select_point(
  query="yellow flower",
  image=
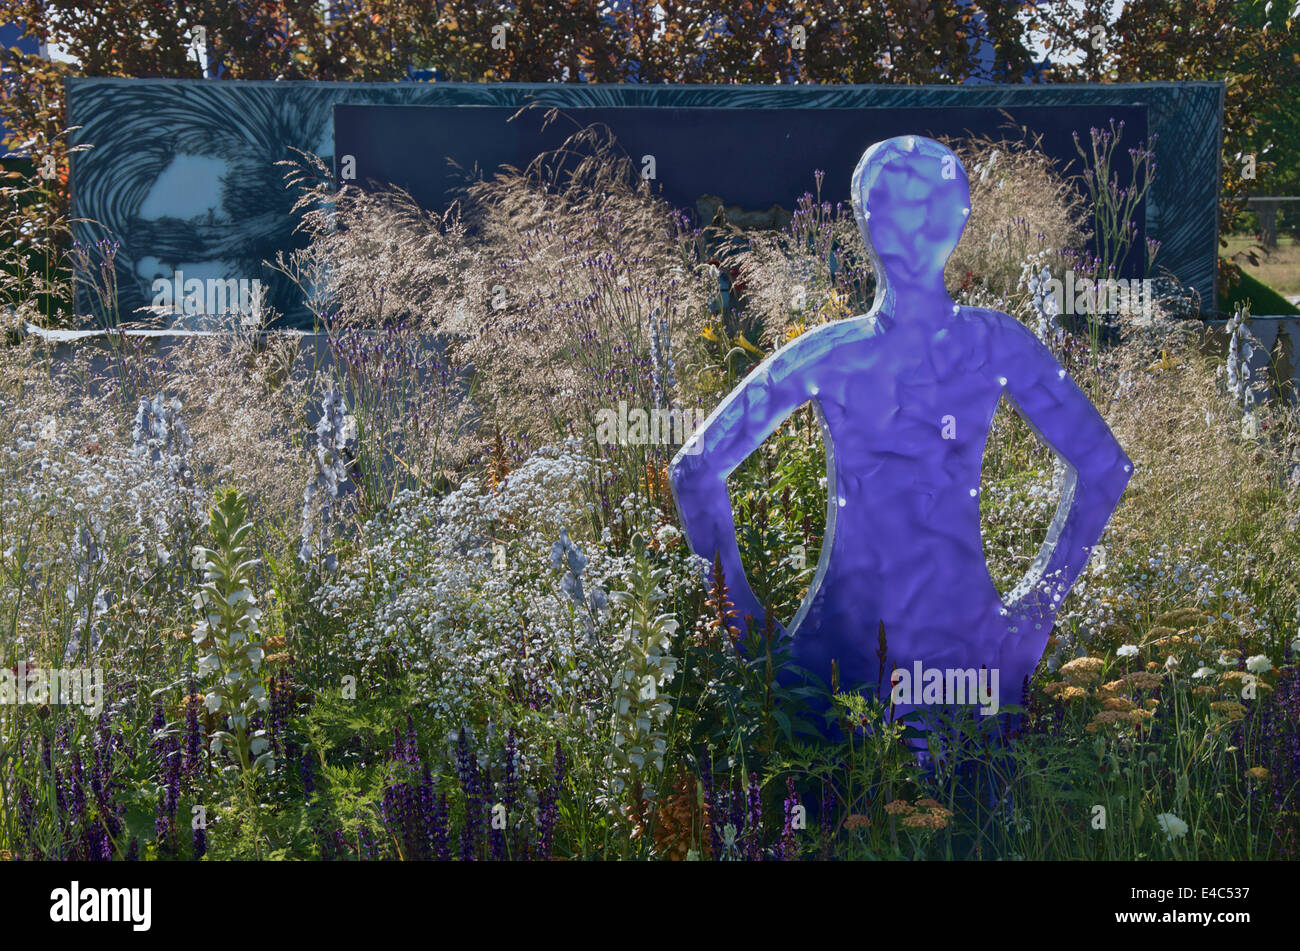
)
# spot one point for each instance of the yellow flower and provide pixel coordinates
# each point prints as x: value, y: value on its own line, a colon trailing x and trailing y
x: 857, y: 821
x: 1142, y: 679
x: 1166, y: 362
x: 1070, y: 694
x: 1122, y: 704
x: 1202, y: 691
x: 1152, y: 703
x: 1229, y: 708
x: 836, y: 307
x: 929, y: 821
x: 791, y: 332
x: 898, y: 807
x: 1083, y: 670
x: 1258, y: 773
x: 1108, y: 690
x: 934, y: 808
x: 1108, y: 718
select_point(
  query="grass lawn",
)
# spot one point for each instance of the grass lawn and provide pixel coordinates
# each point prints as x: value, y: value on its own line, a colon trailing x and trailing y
x: 1279, y: 269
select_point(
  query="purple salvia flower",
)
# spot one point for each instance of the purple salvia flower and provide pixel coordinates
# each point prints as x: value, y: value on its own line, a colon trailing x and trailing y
x: 753, y: 820
x: 789, y: 841
x: 307, y: 776
x: 440, y: 831
x: 193, y: 743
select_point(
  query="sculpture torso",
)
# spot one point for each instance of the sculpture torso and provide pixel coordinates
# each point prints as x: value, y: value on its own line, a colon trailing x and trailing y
x: 907, y: 411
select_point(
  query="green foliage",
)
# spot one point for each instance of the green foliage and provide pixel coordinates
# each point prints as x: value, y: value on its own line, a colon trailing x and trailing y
x: 230, y: 632
x: 647, y: 667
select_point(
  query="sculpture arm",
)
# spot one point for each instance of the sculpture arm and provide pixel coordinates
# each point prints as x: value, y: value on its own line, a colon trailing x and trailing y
x: 1097, y: 470
x: 740, y: 424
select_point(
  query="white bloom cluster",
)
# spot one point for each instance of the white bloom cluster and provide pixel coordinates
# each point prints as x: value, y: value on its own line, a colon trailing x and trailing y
x: 1015, y: 514
x: 79, y: 500
x: 1177, y: 573
x: 462, y: 592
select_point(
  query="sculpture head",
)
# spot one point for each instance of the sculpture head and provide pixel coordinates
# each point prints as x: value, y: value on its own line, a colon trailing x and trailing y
x: 911, y: 197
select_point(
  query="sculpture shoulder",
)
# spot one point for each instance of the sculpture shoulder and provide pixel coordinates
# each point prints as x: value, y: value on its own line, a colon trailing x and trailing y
x: 997, y: 329
x: 808, y: 346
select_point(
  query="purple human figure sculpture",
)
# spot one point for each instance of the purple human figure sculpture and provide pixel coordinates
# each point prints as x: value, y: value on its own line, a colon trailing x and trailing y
x: 906, y: 396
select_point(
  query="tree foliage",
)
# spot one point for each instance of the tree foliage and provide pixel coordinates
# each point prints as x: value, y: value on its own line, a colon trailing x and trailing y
x: 1251, y: 45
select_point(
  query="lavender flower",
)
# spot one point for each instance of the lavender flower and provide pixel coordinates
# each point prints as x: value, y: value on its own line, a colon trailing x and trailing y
x: 664, y: 371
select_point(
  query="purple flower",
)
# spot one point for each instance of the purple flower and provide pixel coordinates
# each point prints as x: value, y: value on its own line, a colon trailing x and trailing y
x: 753, y: 820
x: 193, y: 732
x: 789, y: 847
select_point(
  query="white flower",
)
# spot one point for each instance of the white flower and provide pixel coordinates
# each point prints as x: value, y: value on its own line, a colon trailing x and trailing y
x: 1203, y: 672
x: 1171, y: 662
x: 213, y: 702
x: 1173, y: 827
x: 667, y: 534
x: 1128, y: 650
x: 729, y: 835
x: 1258, y: 664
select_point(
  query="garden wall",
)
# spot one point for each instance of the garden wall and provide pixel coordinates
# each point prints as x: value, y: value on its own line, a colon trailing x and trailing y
x: 184, y: 173
x: 1274, y: 358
